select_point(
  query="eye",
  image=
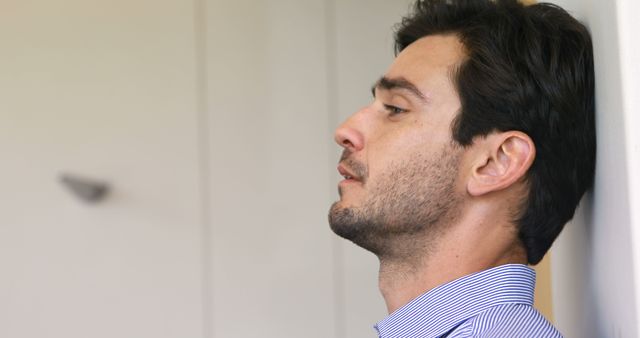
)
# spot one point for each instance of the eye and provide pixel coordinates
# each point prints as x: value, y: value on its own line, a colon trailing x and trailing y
x: 393, y: 110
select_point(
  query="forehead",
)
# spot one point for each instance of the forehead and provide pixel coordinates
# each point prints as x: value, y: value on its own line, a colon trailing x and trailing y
x: 428, y: 61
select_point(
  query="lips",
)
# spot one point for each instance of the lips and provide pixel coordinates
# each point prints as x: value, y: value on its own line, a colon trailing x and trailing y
x: 346, y: 173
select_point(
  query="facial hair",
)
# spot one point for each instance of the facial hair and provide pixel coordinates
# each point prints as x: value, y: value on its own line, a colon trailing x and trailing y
x: 406, y: 207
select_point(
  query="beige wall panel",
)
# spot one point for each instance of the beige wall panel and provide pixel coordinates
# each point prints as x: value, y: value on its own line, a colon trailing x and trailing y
x: 103, y: 89
x: 542, y: 300
x: 272, y: 272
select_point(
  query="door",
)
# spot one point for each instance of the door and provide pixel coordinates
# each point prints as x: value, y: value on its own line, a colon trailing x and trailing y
x: 101, y: 90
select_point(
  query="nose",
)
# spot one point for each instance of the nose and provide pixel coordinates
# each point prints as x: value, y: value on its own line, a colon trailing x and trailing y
x: 349, y: 136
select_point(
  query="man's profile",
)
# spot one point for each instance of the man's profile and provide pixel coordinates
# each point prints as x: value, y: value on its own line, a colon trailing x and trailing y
x: 474, y: 153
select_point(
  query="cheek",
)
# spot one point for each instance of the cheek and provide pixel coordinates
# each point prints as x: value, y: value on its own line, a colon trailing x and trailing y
x: 386, y: 159
x: 407, y: 139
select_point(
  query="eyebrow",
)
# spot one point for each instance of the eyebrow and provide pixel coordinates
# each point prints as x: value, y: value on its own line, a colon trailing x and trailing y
x: 398, y: 83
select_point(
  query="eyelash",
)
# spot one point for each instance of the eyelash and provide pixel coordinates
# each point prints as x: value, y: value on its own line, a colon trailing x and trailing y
x: 393, y: 110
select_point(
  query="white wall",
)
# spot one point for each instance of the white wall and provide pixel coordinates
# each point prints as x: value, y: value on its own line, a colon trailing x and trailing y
x: 595, y: 260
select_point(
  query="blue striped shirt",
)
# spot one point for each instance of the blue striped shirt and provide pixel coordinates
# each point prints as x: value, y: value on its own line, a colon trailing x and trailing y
x: 493, y: 303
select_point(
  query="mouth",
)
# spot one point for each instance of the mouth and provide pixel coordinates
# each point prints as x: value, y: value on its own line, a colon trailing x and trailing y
x: 347, y: 174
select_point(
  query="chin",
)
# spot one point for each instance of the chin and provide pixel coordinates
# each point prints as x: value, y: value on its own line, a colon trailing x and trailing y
x: 348, y: 224
x: 339, y: 215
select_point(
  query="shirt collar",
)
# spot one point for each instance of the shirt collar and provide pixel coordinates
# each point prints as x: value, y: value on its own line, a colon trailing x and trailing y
x: 441, y: 309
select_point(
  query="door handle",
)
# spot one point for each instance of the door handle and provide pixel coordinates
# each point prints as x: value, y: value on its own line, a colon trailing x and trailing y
x: 88, y: 190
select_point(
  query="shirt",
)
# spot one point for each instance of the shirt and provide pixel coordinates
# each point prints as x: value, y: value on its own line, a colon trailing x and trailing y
x: 493, y: 303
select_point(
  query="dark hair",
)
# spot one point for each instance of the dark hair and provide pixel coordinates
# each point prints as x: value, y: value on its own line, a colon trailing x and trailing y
x: 527, y: 68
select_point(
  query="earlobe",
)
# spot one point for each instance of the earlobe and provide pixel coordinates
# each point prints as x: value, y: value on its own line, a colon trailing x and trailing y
x: 503, y: 160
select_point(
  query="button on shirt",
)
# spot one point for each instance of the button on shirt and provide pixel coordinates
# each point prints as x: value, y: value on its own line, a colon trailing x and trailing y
x: 493, y: 303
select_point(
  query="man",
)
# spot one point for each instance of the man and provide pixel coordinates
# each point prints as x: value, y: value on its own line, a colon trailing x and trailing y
x: 474, y: 153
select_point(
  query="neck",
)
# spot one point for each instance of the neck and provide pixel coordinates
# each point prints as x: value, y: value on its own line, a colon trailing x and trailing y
x: 456, y: 254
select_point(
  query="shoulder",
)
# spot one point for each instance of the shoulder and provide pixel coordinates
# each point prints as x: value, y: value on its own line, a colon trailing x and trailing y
x: 512, y: 320
x: 515, y: 320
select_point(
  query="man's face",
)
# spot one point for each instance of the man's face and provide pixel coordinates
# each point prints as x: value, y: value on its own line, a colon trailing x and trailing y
x: 399, y: 161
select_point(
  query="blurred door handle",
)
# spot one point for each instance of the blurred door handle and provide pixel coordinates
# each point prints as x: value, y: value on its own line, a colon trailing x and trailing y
x: 85, y: 189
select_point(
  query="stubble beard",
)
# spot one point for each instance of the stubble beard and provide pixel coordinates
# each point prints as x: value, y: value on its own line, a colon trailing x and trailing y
x: 405, y: 211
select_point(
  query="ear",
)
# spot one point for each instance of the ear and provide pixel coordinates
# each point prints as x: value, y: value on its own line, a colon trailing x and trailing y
x: 503, y: 158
